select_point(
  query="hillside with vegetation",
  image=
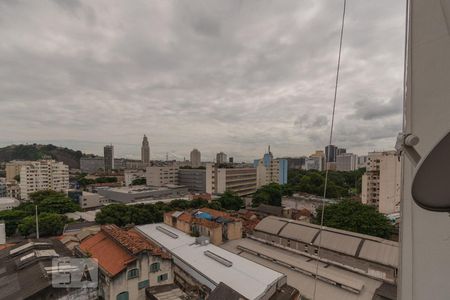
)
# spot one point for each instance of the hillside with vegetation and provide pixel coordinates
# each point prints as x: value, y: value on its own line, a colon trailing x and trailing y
x: 35, y: 151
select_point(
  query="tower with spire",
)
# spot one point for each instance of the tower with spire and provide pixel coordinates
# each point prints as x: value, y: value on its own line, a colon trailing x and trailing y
x: 145, y: 151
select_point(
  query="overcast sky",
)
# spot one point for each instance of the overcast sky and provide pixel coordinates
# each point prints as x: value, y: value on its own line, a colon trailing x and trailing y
x: 230, y: 76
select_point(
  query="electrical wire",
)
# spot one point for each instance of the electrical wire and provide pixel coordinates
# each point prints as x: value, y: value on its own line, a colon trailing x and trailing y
x: 327, y: 154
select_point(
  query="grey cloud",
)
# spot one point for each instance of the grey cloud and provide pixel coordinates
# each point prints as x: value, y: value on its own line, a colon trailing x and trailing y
x: 228, y: 76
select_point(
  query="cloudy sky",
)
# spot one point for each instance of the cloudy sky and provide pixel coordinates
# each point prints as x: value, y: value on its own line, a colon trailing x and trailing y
x: 230, y: 76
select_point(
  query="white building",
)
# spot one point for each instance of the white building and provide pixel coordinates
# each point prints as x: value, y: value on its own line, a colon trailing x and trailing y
x: 221, y: 158
x: 270, y: 170
x: 7, y: 203
x: 381, y: 182
x: 362, y: 161
x: 242, y: 181
x: 92, y: 200
x: 196, y: 160
x: 211, y: 265
x: 162, y: 176
x: 314, y: 163
x: 346, y: 162
x: 43, y: 175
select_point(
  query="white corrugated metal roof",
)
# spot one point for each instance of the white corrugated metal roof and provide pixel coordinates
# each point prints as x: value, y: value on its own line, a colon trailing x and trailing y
x: 384, y: 253
x: 339, y: 242
x: 298, y: 232
x: 270, y: 225
x: 244, y: 276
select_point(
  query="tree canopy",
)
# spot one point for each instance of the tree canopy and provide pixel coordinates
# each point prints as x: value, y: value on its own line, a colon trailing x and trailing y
x: 121, y: 214
x: 340, y: 184
x: 270, y: 194
x: 230, y: 201
x: 357, y: 217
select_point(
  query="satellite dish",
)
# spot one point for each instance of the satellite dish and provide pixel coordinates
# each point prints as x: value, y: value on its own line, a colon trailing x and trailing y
x: 431, y: 183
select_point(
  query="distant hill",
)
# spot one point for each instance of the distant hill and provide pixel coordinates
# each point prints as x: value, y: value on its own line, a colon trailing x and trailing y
x: 35, y: 151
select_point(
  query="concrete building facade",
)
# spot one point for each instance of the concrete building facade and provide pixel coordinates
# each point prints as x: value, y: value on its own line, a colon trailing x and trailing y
x: 221, y: 158
x: 381, y: 182
x: 92, y: 200
x: 12, y: 169
x: 193, y: 179
x: 108, y: 155
x: 145, y: 151
x: 241, y: 181
x: 196, y: 158
x: 270, y: 170
x: 162, y: 175
x: 346, y: 162
x: 7, y: 203
x: 43, y: 175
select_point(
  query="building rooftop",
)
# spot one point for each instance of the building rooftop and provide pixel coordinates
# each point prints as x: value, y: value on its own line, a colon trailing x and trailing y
x: 350, y: 243
x: 114, y: 248
x: 22, y: 273
x: 214, y: 263
x: 334, y: 283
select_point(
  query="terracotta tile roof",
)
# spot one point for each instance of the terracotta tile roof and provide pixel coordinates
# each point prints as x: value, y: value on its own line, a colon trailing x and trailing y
x: 111, y: 257
x: 185, y: 217
x: 131, y: 240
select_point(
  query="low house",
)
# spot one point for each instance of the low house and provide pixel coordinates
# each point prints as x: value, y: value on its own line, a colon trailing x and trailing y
x: 217, y: 225
x: 128, y: 263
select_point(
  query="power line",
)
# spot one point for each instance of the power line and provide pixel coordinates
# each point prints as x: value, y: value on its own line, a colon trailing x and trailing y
x: 330, y: 143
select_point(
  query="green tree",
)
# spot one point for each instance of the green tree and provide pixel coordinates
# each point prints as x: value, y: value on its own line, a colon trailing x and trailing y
x: 215, y: 205
x: 270, y: 194
x: 37, y: 197
x: 114, y: 214
x: 58, y: 204
x: 357, y: 217
x: 230, y: 201
x: 12, y: 219
x: 50, y: 224
x: 139, y: 181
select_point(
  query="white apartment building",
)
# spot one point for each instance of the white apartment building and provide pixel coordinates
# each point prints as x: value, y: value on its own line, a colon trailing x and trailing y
x: 381, y: 182
x: 195, y: 158
x: 270, y: 170
x: 242, y: 181
x: 161, y: 176
x: 362, y: 161
x: 346, y: 162
x: 43, y: 175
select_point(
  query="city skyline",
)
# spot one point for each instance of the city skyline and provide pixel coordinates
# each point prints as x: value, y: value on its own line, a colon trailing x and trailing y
x: 216, y: 76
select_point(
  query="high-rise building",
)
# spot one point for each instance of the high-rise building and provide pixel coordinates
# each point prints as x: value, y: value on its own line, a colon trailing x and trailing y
x: 241, y: 181
x: 381, y: 182
x: 340, y: 151
x: 346, y: 162
x: 330, y: 153
x: 145, y: 151
x: 108, y: 151
x: 221, y: 158
x: 362, y: 161
x: 195, y: 158
x: 270, y: 170
x: 162, y: 176
x: 43, y: 175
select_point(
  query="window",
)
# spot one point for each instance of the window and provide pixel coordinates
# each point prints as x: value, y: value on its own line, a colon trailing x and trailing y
x: 143, y: 284
x: 122, y: 296
x: 133, y: 273
x: 163, y: 277
x: 154, y: 267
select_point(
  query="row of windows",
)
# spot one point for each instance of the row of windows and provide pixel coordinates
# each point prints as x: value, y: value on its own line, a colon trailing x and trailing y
x: 154, y: 267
